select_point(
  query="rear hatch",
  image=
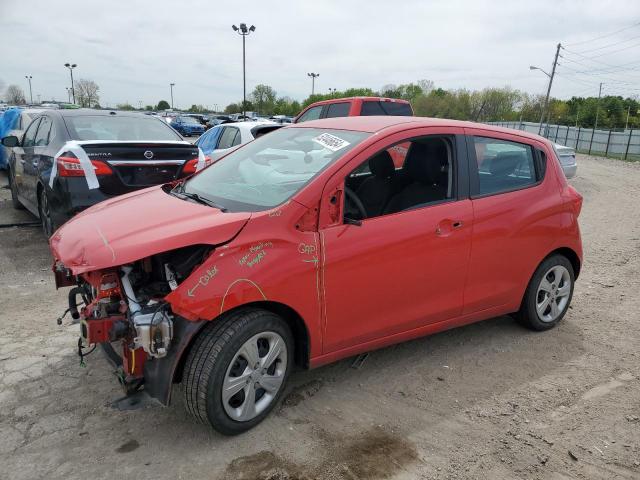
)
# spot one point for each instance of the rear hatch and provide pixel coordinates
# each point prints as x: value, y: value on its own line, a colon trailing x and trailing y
x: 136, y: 165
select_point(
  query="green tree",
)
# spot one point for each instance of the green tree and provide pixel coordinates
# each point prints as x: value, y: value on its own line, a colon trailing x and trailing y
x: 263, y: 98
x: 163, y: 105
x: 125, y: 106
x: 15, y: 95
x: 197, y: 109
x: 86, y: 92
x: 148, y: 108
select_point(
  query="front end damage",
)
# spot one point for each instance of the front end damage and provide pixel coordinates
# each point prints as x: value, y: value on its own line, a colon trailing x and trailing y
x: 123, y: 310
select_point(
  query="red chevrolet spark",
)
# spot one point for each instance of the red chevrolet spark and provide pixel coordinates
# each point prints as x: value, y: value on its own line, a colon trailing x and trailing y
x: 309, y: 245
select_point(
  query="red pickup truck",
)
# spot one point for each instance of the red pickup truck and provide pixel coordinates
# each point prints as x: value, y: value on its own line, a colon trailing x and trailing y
x: 355, y: 107
x: 361, y: 106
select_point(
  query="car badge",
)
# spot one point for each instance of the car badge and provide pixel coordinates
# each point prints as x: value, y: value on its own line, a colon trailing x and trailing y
x: 148, y: 154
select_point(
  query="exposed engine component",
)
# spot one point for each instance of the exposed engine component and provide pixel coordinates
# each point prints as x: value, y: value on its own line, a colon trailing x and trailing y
x: 154, y: 330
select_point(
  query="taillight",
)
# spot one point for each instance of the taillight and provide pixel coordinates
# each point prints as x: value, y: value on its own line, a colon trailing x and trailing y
x: 576, y: 199
x: 191, y: 165
x: 71, y: 167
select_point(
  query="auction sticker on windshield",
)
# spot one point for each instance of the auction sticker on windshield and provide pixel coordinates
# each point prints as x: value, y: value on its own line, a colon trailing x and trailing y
x: 330, y: 142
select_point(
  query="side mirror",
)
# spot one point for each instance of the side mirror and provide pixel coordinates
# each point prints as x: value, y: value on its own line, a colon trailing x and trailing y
x: 11, y: 141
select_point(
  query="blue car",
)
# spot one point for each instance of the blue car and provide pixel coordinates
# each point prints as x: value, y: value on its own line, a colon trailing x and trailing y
x: 187, y: 126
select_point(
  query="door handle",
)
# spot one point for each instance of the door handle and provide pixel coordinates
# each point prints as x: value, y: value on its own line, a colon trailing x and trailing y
x: 445, y: 227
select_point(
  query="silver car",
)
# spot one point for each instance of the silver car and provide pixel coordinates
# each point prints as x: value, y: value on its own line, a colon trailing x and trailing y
x: 567, y: 157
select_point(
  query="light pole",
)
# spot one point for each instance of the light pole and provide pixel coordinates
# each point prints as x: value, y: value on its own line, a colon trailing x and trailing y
x: 313, y: 81
x: 332, y: 91
x: 29, y: 77
x: 551, y: 75
x: 68, y: 93
x: 171, y: 85
x: 244, y: 31
x: 71, y: 66
x: 544, y: 107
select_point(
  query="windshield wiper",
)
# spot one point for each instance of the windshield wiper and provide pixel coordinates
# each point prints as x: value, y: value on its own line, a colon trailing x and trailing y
x: 197, y: 198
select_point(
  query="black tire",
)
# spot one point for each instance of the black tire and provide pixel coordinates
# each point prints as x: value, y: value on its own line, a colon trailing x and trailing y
x: 14, y: 191
x: 210, y: 357
x: 44, y: 210
x: 528, y: 315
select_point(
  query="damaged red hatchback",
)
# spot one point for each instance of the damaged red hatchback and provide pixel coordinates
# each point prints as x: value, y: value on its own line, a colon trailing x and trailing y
x: 311, y: 244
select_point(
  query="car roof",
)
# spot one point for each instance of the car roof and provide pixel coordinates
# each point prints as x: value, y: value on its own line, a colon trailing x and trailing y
x: 348, y: 99
x: 248, y: 125
x: 373, y: 124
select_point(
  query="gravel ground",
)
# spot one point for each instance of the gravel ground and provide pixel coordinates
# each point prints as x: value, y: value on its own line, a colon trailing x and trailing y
x: 490, y: 400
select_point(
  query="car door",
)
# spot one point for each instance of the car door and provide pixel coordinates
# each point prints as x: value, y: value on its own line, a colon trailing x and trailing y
x: 401, y: 270
x: 32, y: 164
x: 23, y: 156
x: 229, y: 138
x: 514, y: 206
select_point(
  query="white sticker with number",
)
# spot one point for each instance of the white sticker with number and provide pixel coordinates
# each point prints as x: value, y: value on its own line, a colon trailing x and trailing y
x: 330, y: 142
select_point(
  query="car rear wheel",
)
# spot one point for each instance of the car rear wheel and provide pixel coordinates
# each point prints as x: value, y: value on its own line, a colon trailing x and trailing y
x: 236, y: 370
x: 548, y: 295
x: 44, y: 210
x: 14, y: 192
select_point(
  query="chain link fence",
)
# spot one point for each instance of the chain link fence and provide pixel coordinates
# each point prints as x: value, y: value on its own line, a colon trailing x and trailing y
x: 622, y: 144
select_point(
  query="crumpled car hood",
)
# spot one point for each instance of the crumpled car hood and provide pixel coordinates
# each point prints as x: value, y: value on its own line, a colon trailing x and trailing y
x: 138, y: 225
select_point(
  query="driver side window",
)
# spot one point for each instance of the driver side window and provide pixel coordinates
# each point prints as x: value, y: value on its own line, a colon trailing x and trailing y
x: 383, y: 185
x: 29, y: 139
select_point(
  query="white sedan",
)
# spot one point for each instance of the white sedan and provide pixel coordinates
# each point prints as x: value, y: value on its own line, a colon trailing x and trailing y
x: 222, y: 139
x: 567, y: 157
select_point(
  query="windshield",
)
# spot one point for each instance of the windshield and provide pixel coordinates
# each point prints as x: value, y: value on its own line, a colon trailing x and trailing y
x: 130, y: 128
x: 269, y: 170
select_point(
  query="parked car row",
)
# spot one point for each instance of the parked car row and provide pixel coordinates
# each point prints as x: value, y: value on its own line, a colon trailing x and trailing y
x: 124, y: 152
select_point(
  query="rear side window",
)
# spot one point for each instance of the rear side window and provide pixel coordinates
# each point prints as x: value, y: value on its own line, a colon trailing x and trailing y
x: 207, y: 142
x: 338, y: 110
x: 228, y: 138
x: 503, y: 165
x: 372, y: 107
x: 311, y: 114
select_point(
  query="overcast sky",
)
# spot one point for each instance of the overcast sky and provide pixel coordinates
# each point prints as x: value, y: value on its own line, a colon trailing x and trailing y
x: 133, y: 49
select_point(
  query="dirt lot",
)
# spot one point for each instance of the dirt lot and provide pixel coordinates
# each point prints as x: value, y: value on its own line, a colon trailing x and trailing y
x: 490, y: 400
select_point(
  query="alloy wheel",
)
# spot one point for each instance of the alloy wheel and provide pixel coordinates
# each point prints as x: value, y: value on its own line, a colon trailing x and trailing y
x: 254, y: 376
x: 553, y: 293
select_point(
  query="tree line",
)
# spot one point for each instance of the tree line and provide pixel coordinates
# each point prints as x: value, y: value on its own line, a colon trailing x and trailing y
x: 489, y: 104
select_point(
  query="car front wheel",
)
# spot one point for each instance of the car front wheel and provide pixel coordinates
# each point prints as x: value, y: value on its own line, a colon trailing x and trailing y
x: 236, y: 371
x: 14, y: 192
x: 548, y: 295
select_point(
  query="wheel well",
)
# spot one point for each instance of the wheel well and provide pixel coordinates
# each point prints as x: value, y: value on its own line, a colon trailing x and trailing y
x: 297, y: 325
x: 288, y: 314
x: 571, y: 256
